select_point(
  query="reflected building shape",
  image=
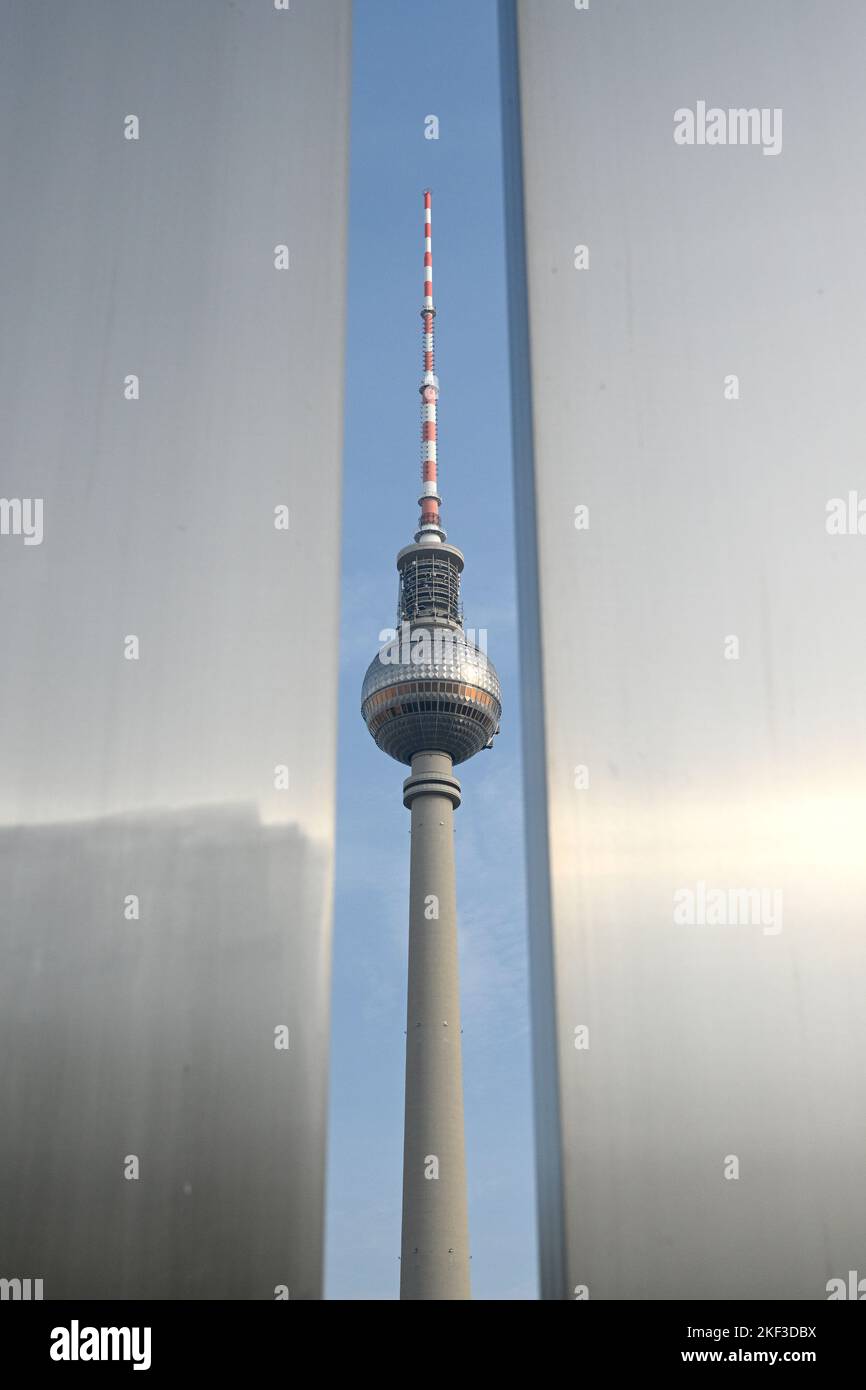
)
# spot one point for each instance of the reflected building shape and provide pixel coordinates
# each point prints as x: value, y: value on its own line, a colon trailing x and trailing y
x: 431, y: 699
x: 167, y: 804
x: 687, y: 404
x: 149, y: 1040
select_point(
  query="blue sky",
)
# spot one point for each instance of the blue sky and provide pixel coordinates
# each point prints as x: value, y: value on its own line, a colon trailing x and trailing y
x: 411, y: 61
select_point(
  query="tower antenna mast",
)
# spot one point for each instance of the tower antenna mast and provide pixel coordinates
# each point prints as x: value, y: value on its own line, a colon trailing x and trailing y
x: 429, y: 525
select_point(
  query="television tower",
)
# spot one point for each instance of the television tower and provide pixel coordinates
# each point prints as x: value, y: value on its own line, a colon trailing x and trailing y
x: 431, y: 699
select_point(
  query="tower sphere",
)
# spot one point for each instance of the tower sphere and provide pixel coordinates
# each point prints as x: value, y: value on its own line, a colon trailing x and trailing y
x: 431, y: 690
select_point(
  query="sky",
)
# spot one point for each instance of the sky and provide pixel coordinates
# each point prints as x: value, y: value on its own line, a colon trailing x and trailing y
x: 408, y: 65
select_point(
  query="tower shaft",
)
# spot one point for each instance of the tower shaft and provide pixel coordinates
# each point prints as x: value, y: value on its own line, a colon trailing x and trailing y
x: 435, y: 1241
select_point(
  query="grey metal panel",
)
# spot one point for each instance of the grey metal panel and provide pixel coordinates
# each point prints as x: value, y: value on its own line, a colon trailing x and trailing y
x: 545, y: 1059
x: 707, y: 521
x: 156, y: 777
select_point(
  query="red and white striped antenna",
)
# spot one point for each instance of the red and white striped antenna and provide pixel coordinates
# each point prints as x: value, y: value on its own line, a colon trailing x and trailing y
x: 429, y: 526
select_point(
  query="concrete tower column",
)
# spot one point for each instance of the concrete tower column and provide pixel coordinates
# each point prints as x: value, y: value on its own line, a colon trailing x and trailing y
x: 435, y: 1243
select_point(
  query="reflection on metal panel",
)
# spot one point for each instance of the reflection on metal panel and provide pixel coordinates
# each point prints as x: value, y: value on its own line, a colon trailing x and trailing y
x: 166, y: 804
x: 701, y: 714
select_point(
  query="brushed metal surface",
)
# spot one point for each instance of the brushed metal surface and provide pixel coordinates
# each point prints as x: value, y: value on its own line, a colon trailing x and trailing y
x: 160, y: 777
x: 665, y: 762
